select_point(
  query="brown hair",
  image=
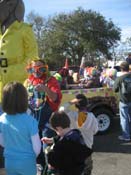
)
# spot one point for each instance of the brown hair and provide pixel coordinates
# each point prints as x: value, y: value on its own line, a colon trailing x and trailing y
x: 129, y: 54
x: 15, y: 98
x: 124, y: 66
x: 82, y: 104
x: 59, y: 119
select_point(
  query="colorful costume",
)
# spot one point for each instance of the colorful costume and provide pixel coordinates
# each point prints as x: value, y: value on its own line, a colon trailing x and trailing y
x: 109, y: 80
x: 38, y: 100
x: 40, y: 103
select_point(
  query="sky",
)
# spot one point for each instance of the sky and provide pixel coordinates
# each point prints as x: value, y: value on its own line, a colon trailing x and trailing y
x: 119, y: 11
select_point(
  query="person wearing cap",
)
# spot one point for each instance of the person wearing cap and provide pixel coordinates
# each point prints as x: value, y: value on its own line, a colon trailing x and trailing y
x: 18, y: 42
x: 122, y: 85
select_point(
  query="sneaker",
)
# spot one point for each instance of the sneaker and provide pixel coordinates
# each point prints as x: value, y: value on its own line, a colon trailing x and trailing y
x: 123, y: 139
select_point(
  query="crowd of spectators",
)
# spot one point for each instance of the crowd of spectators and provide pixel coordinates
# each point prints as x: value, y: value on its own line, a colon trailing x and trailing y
x: 91, y: 76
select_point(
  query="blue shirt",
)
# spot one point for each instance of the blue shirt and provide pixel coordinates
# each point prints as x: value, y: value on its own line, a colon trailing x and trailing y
x: 17, y: 131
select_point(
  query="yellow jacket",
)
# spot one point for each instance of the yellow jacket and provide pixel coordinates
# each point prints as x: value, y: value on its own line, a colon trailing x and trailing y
x: 18, y: 45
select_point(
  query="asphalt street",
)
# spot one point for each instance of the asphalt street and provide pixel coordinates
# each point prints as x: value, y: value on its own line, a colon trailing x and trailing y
x: 111, y: 156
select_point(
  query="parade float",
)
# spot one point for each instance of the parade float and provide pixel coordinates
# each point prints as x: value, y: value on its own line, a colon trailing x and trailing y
x: 103, y: 101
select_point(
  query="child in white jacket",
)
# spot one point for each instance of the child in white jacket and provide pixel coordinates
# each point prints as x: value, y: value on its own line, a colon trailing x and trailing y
x: 83, y: 120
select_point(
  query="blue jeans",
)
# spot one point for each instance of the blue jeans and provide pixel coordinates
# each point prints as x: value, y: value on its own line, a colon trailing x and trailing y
x: 125, y: 119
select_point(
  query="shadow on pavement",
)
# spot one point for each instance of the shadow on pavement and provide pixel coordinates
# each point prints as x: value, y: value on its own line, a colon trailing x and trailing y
x: 109, y: 142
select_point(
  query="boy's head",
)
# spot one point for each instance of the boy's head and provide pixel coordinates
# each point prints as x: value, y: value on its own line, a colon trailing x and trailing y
x: 59, y: 120
x: 124, y: 66
x: 129, y: 55
x: 82, y: 104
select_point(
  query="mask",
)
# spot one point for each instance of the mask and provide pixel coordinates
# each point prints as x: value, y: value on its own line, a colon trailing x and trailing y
x: 37, y: 71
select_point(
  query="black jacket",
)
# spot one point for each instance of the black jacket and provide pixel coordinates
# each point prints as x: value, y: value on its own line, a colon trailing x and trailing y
x: 69, y: 154
x: 124, y: 98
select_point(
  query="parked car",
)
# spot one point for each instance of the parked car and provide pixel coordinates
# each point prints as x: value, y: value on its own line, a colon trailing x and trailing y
x: 103, y: 102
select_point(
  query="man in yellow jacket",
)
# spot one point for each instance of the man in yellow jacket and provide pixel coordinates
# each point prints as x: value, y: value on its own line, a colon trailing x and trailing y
x: 17, y: 42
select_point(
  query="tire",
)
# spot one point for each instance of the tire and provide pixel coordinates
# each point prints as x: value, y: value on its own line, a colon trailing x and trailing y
x: 104, y: 118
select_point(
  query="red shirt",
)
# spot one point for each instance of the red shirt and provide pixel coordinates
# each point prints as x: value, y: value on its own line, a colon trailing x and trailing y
x: 53, y: 85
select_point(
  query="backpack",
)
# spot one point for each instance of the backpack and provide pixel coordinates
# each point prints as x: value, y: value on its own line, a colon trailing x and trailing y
x: 126, y: 85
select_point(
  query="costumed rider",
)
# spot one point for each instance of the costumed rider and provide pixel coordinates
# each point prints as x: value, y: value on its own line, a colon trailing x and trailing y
x: 44, y: 97
x: 17, y: 42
